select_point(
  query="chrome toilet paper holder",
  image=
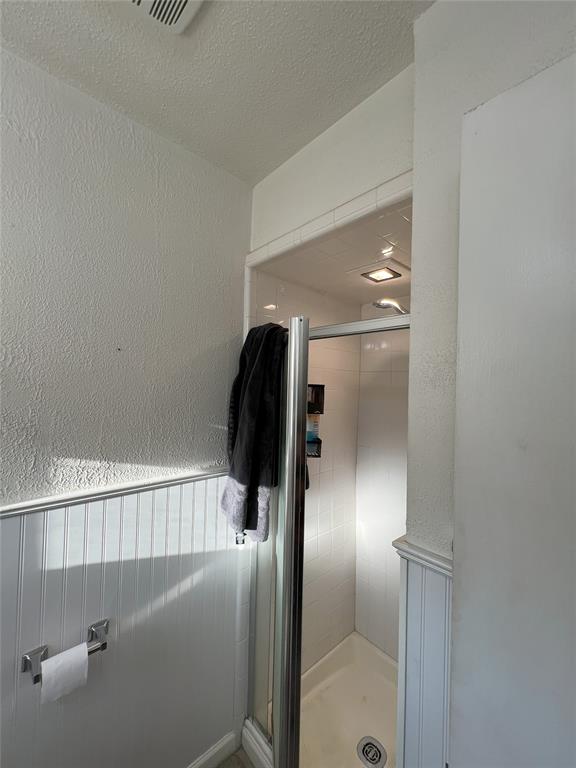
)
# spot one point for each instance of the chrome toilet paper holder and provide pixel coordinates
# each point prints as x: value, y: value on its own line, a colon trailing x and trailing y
x: 98, y: 636
x: 97, y: 641
x: 32, y: 660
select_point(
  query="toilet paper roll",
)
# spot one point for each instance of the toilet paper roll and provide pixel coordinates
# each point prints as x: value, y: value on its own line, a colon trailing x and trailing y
x: 63, y: 673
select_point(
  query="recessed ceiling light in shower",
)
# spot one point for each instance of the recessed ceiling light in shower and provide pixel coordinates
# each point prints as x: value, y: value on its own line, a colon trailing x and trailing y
x: 380, y: 275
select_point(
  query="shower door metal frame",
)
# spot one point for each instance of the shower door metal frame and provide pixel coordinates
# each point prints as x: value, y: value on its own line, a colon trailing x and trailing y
x: 290, y: 555
x: 290, y: 541
x: 360, y: 327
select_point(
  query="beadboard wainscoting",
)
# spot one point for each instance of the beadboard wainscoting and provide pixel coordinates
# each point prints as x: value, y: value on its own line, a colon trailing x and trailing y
x: 171, y: 688
x: 423, y: 658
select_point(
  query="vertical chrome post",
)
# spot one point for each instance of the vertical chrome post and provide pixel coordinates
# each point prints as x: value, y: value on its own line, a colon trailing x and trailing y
x: 290, y: 554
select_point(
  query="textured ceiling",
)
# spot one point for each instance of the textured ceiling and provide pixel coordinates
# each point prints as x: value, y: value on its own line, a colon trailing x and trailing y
x: 334, y: 263
x: 246, y: 86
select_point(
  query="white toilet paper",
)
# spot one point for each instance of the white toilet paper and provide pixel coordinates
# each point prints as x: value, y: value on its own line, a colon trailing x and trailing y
x: 63, y: 673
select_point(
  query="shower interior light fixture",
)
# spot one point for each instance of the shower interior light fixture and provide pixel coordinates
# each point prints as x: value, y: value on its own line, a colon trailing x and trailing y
x: 382, y: 274
x: 271, y: 306
x: 390, y: 304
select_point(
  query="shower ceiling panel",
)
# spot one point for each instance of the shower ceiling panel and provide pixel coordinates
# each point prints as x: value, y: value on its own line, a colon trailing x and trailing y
x: 334, y: 264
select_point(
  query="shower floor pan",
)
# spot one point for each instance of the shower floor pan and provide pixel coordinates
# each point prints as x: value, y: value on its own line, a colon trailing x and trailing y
x: 346, y: 696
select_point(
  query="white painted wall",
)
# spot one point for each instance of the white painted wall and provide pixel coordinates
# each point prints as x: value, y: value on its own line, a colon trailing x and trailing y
x: 163, y: 566
x: 121, y: 294
x: 514, y: 673
x: 368, y: 146
x: 381, y: 480
x: 466, y: 53
x: 330, y: 536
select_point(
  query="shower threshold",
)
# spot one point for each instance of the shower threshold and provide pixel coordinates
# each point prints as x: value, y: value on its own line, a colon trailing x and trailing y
x: 348, y: 695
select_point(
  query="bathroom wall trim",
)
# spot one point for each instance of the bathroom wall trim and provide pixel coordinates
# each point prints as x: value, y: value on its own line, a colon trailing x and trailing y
x: 107, y: 492
x: 423, y: 556
x: 256, y: 745
x: 218, y: 752
x: 425, y: 618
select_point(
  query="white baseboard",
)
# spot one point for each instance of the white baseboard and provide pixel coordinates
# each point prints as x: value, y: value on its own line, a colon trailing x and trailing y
x: 218, y: 753
x: 256, y: 746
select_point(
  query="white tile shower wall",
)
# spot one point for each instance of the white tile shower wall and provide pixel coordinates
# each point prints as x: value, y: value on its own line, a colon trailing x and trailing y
x: 381, y: 482
x: 330, y: 546
x: 163, y: 566
x: 274, y: 301
x: 330, y: 527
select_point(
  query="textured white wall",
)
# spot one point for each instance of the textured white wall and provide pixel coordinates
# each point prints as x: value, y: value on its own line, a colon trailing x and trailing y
x: 330, y: 537
x: 368, y: 146
x: 381, y: 480
x: 466, y: 53
x: 121, y: 294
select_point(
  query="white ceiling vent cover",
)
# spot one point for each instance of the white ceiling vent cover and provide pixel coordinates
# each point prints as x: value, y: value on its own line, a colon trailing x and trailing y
x: 173, y: 14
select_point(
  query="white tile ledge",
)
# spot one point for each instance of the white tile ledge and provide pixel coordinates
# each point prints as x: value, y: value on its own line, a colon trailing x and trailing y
x: 423, y: 556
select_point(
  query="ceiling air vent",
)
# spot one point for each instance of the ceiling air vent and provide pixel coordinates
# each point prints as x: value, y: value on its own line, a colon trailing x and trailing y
x: 173, y: 14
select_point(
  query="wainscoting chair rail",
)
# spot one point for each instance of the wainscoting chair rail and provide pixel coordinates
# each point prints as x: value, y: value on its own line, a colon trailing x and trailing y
x: 423, y: 556
x: 107, y: 492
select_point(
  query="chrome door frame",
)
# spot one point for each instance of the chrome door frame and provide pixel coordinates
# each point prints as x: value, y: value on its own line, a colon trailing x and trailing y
x: 359, y: 327
x: 290, y: 555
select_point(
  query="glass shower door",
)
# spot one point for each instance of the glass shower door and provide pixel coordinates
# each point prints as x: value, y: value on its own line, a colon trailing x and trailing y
x: 276, y: 594
x: 277, y: 612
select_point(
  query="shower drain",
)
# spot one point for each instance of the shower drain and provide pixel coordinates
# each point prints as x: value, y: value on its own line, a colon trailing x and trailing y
x: 371, y: 752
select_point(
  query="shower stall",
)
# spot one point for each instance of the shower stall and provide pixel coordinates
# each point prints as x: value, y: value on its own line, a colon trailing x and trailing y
x: 323, y: 689
x: 325, y: 586
x: 323, y: 696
